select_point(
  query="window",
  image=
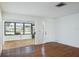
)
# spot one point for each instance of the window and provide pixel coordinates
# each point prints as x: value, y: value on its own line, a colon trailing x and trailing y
x: 17, y: 28
x: 27, y: 28
x: 9, y: 28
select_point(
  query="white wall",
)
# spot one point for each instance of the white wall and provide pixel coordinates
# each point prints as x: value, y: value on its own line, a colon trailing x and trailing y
x: 1, y: 33
x: 67, y: 30
x: 46, y: 30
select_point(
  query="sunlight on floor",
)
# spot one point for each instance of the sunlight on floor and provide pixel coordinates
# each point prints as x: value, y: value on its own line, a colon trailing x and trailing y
x: 18, y: 43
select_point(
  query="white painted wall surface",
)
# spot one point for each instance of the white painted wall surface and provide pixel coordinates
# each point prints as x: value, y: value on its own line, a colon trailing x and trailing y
x: 1, y: 33
x: 67, y: 30
x: 46, y: 30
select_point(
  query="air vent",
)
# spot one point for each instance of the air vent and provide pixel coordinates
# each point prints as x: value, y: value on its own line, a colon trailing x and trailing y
x: 61, y: 4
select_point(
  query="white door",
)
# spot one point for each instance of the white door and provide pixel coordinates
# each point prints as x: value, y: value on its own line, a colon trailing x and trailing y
x: 49, y: 30
x: 39, y: 32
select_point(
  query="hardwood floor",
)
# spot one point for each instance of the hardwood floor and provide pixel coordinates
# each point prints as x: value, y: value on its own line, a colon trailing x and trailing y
x: 52, y: 49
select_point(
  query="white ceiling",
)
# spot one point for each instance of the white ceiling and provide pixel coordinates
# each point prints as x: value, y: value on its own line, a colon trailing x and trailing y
x: 46, y: 9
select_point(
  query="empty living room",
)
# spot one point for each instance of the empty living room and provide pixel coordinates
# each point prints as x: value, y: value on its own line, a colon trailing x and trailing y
x: 39, y: 29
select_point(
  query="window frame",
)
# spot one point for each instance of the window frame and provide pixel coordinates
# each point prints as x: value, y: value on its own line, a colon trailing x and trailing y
x: 5, y: 28
x: 15, y: 28
x: 24, y: 28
